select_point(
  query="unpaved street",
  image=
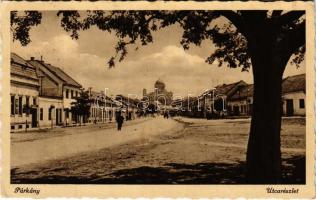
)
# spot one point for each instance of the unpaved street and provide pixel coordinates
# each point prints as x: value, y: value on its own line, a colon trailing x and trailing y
x: 188, y: 151
x: 69, y: 144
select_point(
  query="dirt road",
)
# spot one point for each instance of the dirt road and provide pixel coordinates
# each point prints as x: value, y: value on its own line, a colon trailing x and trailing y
x: 202, y: 152
x: 52, y: 148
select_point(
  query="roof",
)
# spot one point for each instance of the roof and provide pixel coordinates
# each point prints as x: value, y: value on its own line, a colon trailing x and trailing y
x: 21, y: 67
x: 94, y: 94
x: 19, y: 60
x: 224, y: 89
x: 102, y: 96
x: 40, y: 72
x: 63, y: 75
x: 227, y: 88
x: 294, y: 83
x: 243, y: 92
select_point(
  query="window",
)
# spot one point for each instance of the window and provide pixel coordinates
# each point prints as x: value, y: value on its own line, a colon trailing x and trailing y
x: 12, y: 104
x: 20, y: 105
x: 28, y: 101
x: 49, y: 114
x: 67, y: 94
x: 16, y: 107
x: 302, y: 103
x: 72, y: 94
x: 20, y: 126
x: 34, y: 101
x: 41, y: 113
x: 67, y: 114
x: 12, y: 127
x: 76, y: 93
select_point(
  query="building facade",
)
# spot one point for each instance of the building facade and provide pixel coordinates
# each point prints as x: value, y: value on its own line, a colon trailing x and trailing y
x: 57, y: 92
x: 293, y: 98
x: 241, y: 102
x: 294, y: 95
x: 129, y: 107
x: 24, y: 92
x: 236, y: 99
x: 218, y: 101
x: 102, y: 108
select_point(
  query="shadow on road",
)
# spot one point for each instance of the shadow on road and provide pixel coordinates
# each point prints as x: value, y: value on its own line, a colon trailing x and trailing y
x: 174, y: 173
x: 171, y: 173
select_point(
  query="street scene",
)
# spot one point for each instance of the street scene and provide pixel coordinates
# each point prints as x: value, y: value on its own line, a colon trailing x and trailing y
x: 184, y: 151
x: 96, y: 100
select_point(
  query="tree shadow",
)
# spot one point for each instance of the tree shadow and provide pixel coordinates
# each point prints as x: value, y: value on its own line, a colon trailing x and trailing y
x: 294, y: 170
x: 175, y: 173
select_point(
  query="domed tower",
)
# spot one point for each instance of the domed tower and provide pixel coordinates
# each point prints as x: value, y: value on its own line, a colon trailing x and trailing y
x: 160, y: 86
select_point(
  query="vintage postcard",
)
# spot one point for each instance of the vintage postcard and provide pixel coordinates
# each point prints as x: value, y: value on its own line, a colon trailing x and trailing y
x: 158, y: 99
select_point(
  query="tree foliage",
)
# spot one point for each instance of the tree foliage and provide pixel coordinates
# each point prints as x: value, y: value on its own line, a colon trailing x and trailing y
x: 81, y: 107
x: 22, y: 23
x: 230, y: 38
x: 136, y: 27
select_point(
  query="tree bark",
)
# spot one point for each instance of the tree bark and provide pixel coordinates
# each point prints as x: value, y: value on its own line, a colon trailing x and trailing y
x: 264, y: 151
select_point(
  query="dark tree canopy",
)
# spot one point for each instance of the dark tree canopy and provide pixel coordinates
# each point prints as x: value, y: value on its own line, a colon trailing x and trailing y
x: 22, y: 23
x: 136, y: 27
x: 81, y: 107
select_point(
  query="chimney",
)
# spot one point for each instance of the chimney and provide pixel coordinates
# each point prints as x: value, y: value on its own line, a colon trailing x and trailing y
x: 144, y: 92
x: 90, y: 89
x: 32, y: 58
x: 41, y: 58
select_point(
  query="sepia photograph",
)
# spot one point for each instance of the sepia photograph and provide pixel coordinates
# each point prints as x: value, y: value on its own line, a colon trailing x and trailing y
x: 158, y: 97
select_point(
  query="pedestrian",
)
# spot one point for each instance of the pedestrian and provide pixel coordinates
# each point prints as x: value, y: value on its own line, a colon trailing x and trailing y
x: 119, y: 121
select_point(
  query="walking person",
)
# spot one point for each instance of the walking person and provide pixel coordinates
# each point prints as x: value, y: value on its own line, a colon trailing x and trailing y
x: 119, y: 121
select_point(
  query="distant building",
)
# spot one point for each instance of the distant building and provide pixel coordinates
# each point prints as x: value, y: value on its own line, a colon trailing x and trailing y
x: 24, y: 91
x: 160, y: 94
x: 102, y: 108
x: 218, y: 100
x: 236, y: 99
x: 241, y: 102
x: 294, y: 95
x: 128, y: 106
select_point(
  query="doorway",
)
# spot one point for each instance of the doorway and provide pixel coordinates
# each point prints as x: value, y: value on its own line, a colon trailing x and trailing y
x: 57, y: 117
x: 34, y: 117
x: 289, y: 107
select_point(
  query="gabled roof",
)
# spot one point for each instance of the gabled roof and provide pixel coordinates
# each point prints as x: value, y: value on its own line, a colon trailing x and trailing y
x: 59, y: 73
x: 127, y: 101
x: 294, y: 83
x: 227, y: 89
x: 243, y: 92
x: 101, y: 96
x: 42, y: 70
x: 19, y: 60
x: 63, y: 75
x: 21, y: 67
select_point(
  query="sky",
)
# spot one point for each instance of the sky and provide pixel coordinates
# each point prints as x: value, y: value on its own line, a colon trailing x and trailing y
x: 184, y: 72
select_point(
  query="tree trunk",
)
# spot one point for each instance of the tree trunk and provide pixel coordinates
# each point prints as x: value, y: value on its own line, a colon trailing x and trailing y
x: 264, y: 151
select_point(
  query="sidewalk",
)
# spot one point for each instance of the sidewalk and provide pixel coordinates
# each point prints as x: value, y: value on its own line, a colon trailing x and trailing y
x: 36, y: 151
x: 62, y: 131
